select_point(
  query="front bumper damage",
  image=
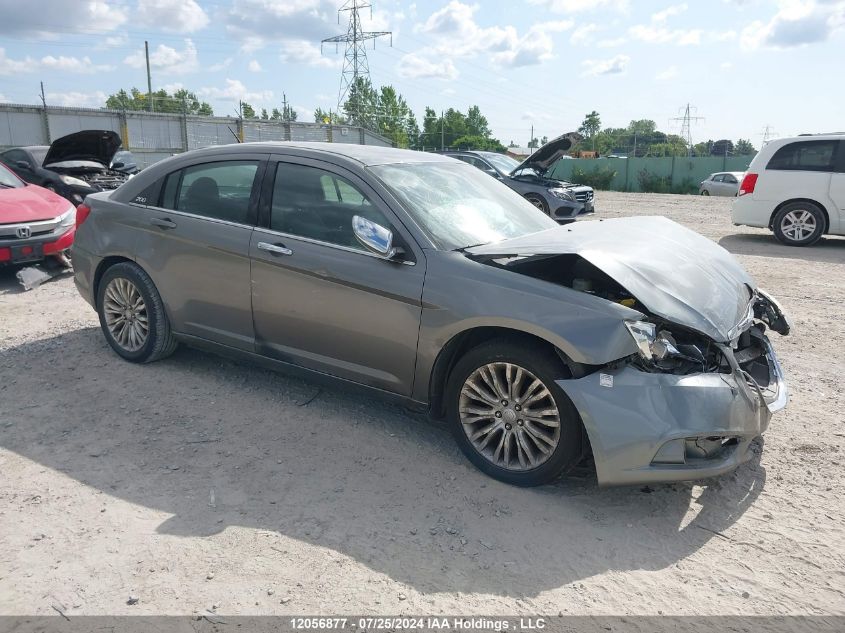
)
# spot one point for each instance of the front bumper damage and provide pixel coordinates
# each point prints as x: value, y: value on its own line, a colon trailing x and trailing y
x: 659, y: 427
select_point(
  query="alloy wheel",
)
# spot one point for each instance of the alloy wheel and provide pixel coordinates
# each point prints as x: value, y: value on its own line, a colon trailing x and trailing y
x: 126, y: 314
x: 509, y: 416
x: 798, y: 225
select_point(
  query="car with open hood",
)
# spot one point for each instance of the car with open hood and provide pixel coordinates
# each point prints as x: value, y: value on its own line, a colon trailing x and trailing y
x: 35, y: 223
x: 72, y: 166
x: 417, y: 277
x: 561, y: 200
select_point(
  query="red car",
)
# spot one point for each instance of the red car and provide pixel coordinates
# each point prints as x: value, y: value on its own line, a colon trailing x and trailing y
x: 34, y: 223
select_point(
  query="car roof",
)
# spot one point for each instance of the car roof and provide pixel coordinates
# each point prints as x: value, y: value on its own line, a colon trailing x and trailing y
x: 364, y: 154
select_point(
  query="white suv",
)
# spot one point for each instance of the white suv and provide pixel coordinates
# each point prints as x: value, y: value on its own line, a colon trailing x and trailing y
x: 796, y: 188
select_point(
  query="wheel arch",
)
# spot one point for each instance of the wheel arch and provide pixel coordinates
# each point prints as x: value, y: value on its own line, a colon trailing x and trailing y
x: 102, y: 267
x: 471, y: 337
x: 793, y: 200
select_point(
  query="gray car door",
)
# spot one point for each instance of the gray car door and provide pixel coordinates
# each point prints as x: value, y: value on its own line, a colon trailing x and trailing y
x: 320, y: 300
x: 195, y: 245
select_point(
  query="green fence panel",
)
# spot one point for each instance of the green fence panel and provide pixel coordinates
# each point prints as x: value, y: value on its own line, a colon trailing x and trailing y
x: 672, y: 173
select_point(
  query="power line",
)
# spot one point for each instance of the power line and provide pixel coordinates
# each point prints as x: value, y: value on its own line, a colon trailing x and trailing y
x: 355, y: 63
x: 687, y: 121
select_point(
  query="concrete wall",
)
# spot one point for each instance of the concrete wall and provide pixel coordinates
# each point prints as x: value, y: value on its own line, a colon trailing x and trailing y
x: 678, y: 169
x: 152, y: 137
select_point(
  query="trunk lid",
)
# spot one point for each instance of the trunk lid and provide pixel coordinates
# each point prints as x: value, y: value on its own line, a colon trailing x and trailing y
x: 676, y: 273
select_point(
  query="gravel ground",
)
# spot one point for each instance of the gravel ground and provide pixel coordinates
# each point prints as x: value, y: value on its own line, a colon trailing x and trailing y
x: 199, y: 484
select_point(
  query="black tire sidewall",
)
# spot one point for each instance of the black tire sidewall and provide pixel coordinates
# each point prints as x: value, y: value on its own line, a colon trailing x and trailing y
x: 547, y: 367
x: 130, y: 272
x: 531, y: 197
x: 807, y: 206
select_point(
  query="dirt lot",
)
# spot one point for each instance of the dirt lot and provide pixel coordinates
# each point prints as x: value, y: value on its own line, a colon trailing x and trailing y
x: 197, y: 483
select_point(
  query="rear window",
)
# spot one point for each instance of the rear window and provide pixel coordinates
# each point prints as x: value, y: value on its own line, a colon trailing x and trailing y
x: 805, y: 156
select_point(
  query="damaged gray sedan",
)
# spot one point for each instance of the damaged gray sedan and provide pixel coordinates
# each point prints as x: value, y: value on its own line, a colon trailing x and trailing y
x: 420, y: 278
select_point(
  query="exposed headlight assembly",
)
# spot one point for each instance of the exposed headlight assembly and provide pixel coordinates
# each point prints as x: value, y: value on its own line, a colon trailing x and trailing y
x: 652, y: 345
x: 74, y: 182
x: 563, y: 194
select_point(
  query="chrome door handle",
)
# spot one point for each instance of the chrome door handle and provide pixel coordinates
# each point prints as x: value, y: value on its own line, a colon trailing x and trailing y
x: 274, y: 249
x: 163, y: 223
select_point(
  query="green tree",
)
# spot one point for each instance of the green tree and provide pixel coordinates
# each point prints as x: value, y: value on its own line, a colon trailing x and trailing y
x: 590, y: 127
x: 276, y: 115
x: 288, y: 113
x: 264, y: 114
x: 744, y: 147
x: 722, y: 147
x: 361, y: 106
x: 533, y: 143
x: 247, y: 111
x: 182, y: 101
x: 476, y: 123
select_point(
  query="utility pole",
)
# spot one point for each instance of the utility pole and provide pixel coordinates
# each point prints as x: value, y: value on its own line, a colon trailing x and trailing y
x: 768, y: 134
x: 442, y: 132
x: 355, y: 63
x: 531, y: 138
x: 285, y: 116
x: 149, y: 78
x: 43, y: 98
x: 687, y: 121
x: 45, y: 120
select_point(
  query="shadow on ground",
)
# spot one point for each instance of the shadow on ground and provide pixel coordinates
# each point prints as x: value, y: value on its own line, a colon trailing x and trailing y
x: 334, y: 469
x: 827, y: 250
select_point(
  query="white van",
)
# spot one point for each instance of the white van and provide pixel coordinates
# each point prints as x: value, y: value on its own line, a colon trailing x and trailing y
x: 796, y: 188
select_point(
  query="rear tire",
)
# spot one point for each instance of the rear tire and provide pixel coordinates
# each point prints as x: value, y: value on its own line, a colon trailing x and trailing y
x: 132, y: 315
x: 799, y: 224
x: 528, y: 445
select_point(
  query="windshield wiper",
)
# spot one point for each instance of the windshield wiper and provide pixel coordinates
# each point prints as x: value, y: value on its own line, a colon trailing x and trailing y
x: 464, y: 248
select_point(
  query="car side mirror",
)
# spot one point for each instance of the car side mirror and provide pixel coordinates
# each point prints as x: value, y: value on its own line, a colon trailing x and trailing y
x: 117, y: 165
x: 492, y: 172
x: 22, y: 164
x: 374, y: 237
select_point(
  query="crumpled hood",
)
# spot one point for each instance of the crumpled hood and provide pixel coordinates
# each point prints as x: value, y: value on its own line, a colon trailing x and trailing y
x: 96, y: 145
x: 674, y: 272
x: 30, y: 204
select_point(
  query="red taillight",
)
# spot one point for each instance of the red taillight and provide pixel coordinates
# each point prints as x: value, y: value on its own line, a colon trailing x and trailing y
x: 748, y: 184
x: 82, y: 213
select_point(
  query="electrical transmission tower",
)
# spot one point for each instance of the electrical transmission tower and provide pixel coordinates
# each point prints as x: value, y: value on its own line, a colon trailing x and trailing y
x: 355, y: 60
x: 768, y: 134
x: 687, y: 121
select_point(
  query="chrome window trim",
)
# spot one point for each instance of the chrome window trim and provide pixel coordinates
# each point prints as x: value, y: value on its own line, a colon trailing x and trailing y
x: 347, y: 249
x: 186, y: 214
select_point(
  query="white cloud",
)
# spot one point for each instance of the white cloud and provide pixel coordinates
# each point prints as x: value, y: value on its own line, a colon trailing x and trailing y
x: 726, y: 65
x: 303, y: 52
x: 274, y: 20
x: 669, y: 73
x: 668, y: 12
x: 9, y: 66
x: 797, y: 23
x: 181, y: 16
x: 113, y: 41
x: 221, y: 65
x: 168, y: 60
x: 254, y: 66
x: 235, y: 90
x: 581, y: 34
x: 94, y: 99
x: 613, y: 66
x: 44, y: 18
x: 455, y: 33
x: 580, y: 6
x: 83, y: 66
x: 653, y: 34
x: 3, y: 98
x: 414, y: 66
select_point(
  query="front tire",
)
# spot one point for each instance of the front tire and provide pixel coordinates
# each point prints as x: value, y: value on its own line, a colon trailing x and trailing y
x: 538, y: 202
x: 509, y: 417
x: 704, y: 192
x: 132, y: 315
x: 799, y: 224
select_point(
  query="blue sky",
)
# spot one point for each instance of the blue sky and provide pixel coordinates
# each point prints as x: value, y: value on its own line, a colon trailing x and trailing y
x: 743, y: 64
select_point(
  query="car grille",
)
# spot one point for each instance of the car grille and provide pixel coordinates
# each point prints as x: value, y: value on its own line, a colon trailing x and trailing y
x: 43, y: 227
x: 584, y: 196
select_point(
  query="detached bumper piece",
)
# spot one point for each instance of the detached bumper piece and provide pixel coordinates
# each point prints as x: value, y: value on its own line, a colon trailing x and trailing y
x: 659, y: 427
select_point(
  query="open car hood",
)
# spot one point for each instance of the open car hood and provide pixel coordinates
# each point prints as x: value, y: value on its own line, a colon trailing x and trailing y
x: 677, y: 274
x: 96, y: 145
x: 547, y: 155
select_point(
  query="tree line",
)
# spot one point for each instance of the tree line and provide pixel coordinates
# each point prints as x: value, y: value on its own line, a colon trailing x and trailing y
x: 642, y: 138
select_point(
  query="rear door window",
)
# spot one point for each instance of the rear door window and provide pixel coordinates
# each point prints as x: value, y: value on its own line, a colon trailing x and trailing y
x: 805, y: 156
x: 220, y: 190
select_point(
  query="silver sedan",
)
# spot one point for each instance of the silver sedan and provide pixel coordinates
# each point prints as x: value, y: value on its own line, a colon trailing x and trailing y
x: 723, y: 183
x: 417, y: 277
